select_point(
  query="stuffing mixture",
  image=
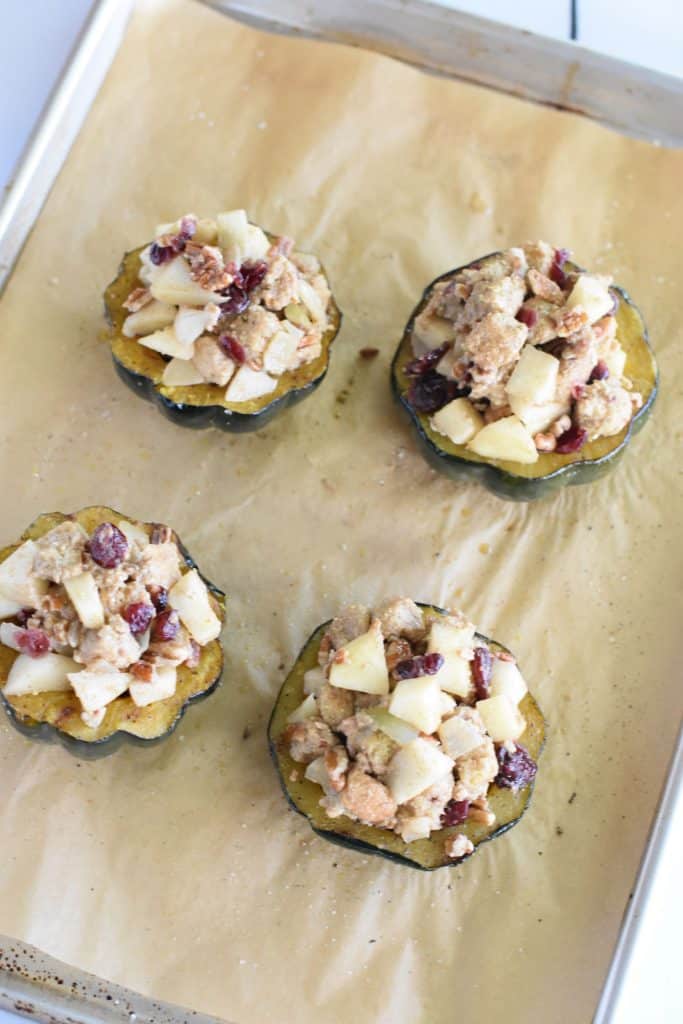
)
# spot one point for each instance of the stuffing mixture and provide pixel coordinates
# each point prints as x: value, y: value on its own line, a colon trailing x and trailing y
x: 518, y: 354
x: 408, y: 719
x: 228, y: 306
x: 102, y: 614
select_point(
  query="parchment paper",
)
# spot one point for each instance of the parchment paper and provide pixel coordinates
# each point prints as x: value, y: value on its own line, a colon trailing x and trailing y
x: 179, y: 870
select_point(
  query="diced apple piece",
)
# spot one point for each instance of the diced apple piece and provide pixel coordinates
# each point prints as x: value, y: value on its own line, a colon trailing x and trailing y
x: 248, y: 384
x: 317, y: 772
x: 181, y: 373
x: 615, y: 361
x: 314, y: 680
x: 312, y: 301
x: 50, y: 673
x: 233, y: 234
x: 459, y: 421
x: 160, y: 687
x: 447, y: 703
x: 85, y: 597
x: 97, y: 689
x: 8, y: 635
x: 190, y: 598
x: 396, y: 728
x: 296, y: 314
x: 8, y: 607
x: 431, y: 332
x: 150, y: 318
x: 534, y: 378
x: 362, y: 665
x: 593, y: 295
x: 455, y: 675
x: 190, y: 323
x: 503, y: 720
x: 173, y: 283
x: 256, y: 245
x: 507, y: 681
x: 415, y: 767
x: 133, y: 533
x: 537, y: 418
x: 279, y: 356
x: 458, y: 737
x: 506, y: 439
x: 447, y: 637
x: 17, y: 582
x: 306, y: 709
x: 418, y: 701
x: 166, y: 342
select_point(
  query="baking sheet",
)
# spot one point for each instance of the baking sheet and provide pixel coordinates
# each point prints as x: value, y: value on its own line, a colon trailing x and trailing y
x: 179, y: 871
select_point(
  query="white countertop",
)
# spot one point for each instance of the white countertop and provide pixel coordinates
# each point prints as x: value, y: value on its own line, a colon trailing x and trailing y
x: 35, y: 42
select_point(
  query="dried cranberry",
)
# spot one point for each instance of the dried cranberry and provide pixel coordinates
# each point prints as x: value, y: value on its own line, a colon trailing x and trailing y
x: 572, y: 440
x: 252, y: 274
x: 420, y: 665
x: 138, y: 616
x: 159, y: 254
x: 34, y: 642
x: 159, y: 596
x: 166, y: 625
x: 173, y: 244
x: 482, y: 664
x: 236, y: 300
x: 232, y: 348
x: 108, y: 545
x: 418, y: 367
x: 455, y: 812
x: 23, y: 616
x: 556, y: 272
x: 599, y: 372
x: 432, y: 391
x: 514, y: 770
x: 527, y: 316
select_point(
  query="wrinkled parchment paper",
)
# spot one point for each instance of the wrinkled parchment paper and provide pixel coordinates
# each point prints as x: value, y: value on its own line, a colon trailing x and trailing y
x: 179, y: 870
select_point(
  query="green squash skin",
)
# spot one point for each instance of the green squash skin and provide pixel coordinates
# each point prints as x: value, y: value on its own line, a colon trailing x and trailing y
x: 426, y: 854
x: 508, y: 485
x: 199, y: 417
x: 91, y: 750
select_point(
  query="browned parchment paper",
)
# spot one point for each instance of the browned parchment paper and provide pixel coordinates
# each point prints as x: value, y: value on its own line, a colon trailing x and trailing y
x: 179, y: 871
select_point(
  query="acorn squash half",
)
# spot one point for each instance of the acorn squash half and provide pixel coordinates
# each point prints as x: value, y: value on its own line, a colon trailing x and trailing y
x: 202, y: 405
x: 427, y: 854
x: 513, y: 480
x: 56, y: 717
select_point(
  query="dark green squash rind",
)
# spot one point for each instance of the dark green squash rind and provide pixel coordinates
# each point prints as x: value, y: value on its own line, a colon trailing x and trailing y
x: 496, y: 479
x: 47, y: 732
x: 199, y: 417
x: 409, y: 855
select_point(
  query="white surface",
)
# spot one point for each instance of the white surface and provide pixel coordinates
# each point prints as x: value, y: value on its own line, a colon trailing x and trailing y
x: 37, y: 37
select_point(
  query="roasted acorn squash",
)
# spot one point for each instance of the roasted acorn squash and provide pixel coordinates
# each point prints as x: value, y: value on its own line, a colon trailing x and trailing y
x: 552, y: 471
x: 202, y: 405
x: 56, y: 716
x: 427, y: 854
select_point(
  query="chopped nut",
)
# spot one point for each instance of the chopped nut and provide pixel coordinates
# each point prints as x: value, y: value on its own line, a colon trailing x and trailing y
x: 544, y: 287
x: 545, y: 442
x: 138, y: 298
